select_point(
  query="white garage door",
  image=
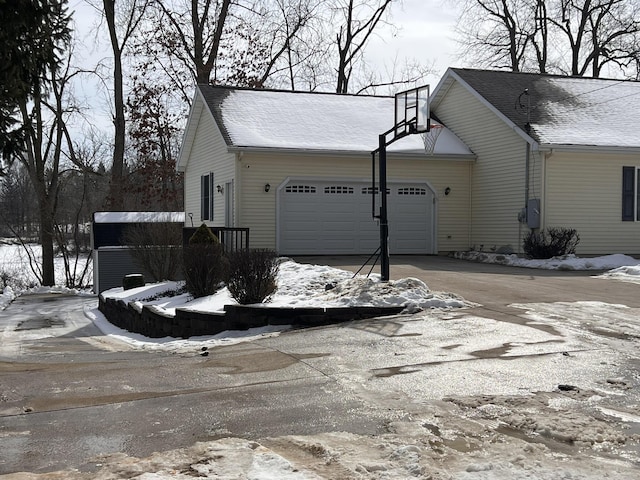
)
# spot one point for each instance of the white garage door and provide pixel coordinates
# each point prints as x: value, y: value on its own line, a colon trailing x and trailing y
x: 328, y: 217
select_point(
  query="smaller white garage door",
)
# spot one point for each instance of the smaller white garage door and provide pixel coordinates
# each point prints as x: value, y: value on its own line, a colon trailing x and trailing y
x: 334, y: 217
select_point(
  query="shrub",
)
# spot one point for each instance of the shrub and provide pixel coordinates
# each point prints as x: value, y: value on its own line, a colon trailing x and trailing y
x: 555, y: 242
x: 203, y: 235
x: 205, y: 265
x: 253, y: 275
x: 155, y: 247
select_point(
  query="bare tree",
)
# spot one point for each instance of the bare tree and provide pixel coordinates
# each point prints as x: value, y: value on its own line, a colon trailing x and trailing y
x: 357, y: 20
x: 541, y: 35
x: 284, y: 24
x: 42, y: 160
x: 122, y: 18
x: 192, y: 36
x: 503, y: 36
x: 303, y: 46
x: 600, y: 32
x: 244, y: 43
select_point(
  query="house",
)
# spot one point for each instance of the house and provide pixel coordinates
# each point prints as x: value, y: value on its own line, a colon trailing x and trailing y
x: 296, y: 169
x: 564, y: 149
x: 518, y: 152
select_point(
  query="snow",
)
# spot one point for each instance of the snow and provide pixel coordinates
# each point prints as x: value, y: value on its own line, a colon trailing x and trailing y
x: 318, y: 121
x: 138, y: 217
x: 299, y: 285
x: 589, y: 112
x: 496, y: 419
x: 568, y: 262
x: 16, y: 267
x: 6, y: 297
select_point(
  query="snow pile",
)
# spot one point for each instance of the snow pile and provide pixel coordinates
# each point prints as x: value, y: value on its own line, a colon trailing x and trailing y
x: 323, y: 286
x: 629, y: 273
x: 303, y: 285
x: 299, y: 285
x: 6, y: 297
x: 568, y: 262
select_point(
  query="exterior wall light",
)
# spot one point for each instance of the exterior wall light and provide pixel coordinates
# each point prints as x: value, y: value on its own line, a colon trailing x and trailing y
x: 267, y: 187
x: 447, y: 190
x: 220, y: 188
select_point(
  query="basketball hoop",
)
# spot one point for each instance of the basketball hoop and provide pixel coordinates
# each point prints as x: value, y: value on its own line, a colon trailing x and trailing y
x: 430, y: 137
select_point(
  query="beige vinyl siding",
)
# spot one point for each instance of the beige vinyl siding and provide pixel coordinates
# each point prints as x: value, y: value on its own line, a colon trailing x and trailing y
x: 498, y: 175
x: 257, y: 209
x: 584, y: 191
x: 208, y: 155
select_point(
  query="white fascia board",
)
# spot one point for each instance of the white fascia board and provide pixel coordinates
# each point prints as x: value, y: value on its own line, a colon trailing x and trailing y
x: 197, y: 105
x: 441, y: 89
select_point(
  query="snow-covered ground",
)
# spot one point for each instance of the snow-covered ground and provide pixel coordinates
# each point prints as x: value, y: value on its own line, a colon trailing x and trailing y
x: 554, y: 399
x: 18, y: 267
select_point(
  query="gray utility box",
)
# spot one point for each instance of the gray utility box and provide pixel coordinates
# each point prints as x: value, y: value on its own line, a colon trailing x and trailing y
x: 533, y: 213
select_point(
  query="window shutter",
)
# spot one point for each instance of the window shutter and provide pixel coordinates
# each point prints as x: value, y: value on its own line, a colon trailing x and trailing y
x: 211, y: 195
x: 205, y: 194
x: 628, y: 194
x: 637, y: 199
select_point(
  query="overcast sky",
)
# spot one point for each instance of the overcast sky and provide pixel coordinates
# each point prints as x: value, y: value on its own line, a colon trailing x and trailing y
x: 424, y: 32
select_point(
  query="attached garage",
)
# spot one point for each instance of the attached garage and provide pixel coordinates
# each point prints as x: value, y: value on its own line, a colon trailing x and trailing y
x: 296, y: 168
x: 323, y: 217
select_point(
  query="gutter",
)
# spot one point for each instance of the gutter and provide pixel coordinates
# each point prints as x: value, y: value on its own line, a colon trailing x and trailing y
x: 551, y: 147
x: 348, y: 153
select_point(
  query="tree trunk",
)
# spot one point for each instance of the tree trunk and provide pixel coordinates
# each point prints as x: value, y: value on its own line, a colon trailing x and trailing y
x: 116, y: 191
x: 47, y: 242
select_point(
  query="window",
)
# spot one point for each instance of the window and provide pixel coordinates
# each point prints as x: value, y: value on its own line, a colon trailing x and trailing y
x: 206, y: 197
x: 412, y: 191
x: 300, y: 189
x: 630, y: 194
x: 375, y: 191
x: 339, y: 190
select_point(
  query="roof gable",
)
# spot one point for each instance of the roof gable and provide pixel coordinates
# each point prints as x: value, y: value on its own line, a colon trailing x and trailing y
x: 271, y: 119
x: 564, y: 111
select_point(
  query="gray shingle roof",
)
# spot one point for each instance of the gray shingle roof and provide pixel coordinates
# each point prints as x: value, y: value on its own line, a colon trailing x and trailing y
x: 572, y: 111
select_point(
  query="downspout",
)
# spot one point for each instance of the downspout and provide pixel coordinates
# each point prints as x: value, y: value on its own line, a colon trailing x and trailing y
x: 237, y: 190
x: 470, y: 206
x: 543, y: 193
x: 527, y: 161
x: 527, y: 158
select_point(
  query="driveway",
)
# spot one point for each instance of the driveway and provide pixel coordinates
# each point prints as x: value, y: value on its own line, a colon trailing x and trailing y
x: 494, y: 287
x: 430, y: 395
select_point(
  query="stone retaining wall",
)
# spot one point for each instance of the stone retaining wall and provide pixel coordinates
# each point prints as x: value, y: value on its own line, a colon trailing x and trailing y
x: 155, y: 323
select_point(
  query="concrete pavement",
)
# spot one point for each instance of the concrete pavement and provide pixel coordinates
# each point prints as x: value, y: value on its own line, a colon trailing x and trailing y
x: 70, y: 395
x: 494, y: 287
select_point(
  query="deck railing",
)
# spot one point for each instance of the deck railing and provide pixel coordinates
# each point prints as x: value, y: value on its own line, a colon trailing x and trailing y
x: 231, y: 237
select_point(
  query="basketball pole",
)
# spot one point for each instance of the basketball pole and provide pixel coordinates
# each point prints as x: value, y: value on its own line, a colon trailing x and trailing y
x: 407, y: 122
x: 384, y: 220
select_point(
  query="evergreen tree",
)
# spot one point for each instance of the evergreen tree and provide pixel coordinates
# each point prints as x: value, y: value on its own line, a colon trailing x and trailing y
x: 33, y: 34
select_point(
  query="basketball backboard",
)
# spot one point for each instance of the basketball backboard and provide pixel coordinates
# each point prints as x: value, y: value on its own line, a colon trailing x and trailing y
x: 412, y: 111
